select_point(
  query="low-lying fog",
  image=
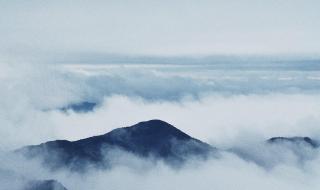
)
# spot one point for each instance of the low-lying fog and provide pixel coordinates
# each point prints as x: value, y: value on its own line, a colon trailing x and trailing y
x: 229, y: 109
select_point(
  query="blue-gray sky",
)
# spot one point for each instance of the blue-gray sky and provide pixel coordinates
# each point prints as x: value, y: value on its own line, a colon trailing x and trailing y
x: 161, y: 27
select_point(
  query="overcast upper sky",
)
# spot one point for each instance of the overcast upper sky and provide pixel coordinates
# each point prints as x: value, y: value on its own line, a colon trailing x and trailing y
x: 161, y: 27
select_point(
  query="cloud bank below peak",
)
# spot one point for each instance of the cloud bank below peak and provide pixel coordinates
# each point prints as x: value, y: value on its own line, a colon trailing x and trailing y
x: 228, y: 108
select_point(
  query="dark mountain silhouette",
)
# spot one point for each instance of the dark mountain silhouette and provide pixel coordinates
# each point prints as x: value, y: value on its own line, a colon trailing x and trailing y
x: 154, y: 138
x: 80, y: 107
x: 18, y: 181
x: 44, y: 185
x: 294, y: 140
x: 300, y: 148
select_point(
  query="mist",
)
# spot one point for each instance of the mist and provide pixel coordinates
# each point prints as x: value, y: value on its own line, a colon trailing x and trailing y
x: 154, y: 95
x: 201, y: 102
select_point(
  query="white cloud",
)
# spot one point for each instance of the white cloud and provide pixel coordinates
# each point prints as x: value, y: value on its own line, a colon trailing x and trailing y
x: 192, y: 101
x: 225, y: 118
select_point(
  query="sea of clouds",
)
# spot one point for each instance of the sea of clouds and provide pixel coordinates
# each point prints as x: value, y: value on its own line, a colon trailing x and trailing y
x: 228, y: 108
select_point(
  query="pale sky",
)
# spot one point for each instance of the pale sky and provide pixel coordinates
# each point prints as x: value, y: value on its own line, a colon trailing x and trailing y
x: 161, y: 27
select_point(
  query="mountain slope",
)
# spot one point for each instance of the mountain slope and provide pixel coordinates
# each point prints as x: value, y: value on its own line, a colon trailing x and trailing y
x: 154, y: 138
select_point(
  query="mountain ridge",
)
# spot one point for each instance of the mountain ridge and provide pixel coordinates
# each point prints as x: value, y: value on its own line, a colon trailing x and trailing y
x: 295, y: 140
x: 155, y: 138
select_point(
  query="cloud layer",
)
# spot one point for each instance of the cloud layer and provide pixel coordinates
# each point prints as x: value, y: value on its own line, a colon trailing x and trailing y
x: 227, y: 108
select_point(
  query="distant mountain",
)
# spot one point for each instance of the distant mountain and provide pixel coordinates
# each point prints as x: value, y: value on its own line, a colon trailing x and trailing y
x: 10, y: 179
x: 294, y: 140
x: 44, y: 185
x: 154, y: 138
x: 275, y: 150
x: 80, y: 107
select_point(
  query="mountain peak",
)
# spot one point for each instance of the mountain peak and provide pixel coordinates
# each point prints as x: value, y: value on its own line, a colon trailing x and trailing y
x: 295, y: 140
x: 155, y: 138
x: 153, y: 129
x: 154, y: 124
